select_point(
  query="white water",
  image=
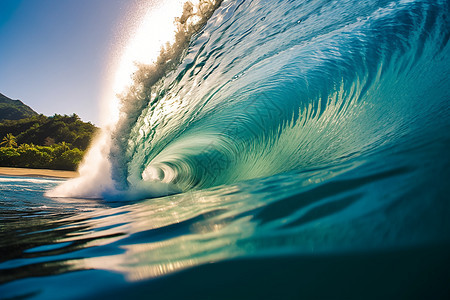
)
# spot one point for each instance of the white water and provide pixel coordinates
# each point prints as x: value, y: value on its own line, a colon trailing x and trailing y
x: 146, y: 37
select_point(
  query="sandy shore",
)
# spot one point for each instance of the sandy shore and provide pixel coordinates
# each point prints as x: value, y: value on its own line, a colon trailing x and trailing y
x: 37, y: 172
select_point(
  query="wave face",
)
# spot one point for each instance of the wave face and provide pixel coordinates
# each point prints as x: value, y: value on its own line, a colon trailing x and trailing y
x: 268, y: 87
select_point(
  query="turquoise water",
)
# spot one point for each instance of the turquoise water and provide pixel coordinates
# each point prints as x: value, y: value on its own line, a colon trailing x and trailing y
x: 299, y: 150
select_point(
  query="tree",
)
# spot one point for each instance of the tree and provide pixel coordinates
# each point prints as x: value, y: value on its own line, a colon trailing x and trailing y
x: 64, y: 146
x: 23, y: 147
x: 42, y: 130
x: 34, y: 158
x: 69, y: 160
x: 9, y: 141
x: 9, y: 157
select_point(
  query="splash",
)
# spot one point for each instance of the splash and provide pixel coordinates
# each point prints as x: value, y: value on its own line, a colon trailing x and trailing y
x: 155, y: 49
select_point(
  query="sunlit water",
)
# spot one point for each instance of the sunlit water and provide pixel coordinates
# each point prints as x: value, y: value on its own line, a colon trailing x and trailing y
x: 306, y: 144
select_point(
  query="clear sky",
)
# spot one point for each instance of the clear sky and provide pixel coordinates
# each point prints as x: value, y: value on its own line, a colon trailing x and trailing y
x: 54, y: 54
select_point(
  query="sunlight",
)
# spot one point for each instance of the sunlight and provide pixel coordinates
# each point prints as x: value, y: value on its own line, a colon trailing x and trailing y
x: 156, y: 29
x: 140, y: 43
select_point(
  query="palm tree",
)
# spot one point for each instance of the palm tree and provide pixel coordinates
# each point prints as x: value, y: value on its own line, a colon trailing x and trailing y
x: 23, y: 147
x: 9, y: 141
x: 64, y: 146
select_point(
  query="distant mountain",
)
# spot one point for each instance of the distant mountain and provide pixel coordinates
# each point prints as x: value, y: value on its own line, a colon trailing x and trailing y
x: 14, y: 109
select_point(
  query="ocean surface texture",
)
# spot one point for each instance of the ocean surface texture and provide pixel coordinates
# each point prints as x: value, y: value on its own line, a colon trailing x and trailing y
x: 288, y: 150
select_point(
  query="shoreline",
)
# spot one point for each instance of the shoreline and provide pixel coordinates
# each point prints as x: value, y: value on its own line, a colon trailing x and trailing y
x: 24, y: 172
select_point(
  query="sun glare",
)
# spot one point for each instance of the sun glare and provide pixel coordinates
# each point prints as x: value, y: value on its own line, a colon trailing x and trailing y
x: 141, y: 43
x: 155, y: 30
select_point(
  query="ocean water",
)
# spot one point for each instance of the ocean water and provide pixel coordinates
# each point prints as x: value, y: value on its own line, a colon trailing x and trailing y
x: 287, y: 150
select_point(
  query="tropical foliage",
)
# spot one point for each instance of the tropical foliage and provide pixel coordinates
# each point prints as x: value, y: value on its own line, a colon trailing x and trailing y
x: 57, y: 142
x: 56, y: 156
x: 45, y: 131
x: 9, y: 141
x: 14, y: 109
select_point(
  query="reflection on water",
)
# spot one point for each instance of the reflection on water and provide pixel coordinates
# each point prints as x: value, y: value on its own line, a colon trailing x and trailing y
x: 319, y: 211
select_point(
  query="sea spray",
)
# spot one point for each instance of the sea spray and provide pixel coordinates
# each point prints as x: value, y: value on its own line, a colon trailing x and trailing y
x: 103, y: 172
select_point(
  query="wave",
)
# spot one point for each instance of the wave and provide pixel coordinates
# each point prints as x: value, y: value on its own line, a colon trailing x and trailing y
x: 251, y: 89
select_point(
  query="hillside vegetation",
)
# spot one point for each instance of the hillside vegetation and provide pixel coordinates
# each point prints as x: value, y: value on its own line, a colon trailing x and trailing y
x: 56, y: 142
x: 14, y: 109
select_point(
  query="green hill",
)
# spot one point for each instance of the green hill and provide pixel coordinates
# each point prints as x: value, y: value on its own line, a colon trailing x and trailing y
x: 45, y: 131
x: 57, y: 142
x: 30, y: 140
x: 14, y: 109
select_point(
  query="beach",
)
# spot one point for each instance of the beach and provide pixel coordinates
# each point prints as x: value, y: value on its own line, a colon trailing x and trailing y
x: 37, y: 172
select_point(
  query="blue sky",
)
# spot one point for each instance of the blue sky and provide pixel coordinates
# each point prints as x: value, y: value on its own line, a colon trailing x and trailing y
x: 54, y: 54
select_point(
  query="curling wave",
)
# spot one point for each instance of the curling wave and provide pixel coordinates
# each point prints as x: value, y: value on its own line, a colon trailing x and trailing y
x: 251, y: 89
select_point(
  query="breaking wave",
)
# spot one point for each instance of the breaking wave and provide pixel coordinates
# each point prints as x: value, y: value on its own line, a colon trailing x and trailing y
x: 250, y: 89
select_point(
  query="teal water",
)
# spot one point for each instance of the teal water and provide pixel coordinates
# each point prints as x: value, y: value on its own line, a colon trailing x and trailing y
x: 298, y: 150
